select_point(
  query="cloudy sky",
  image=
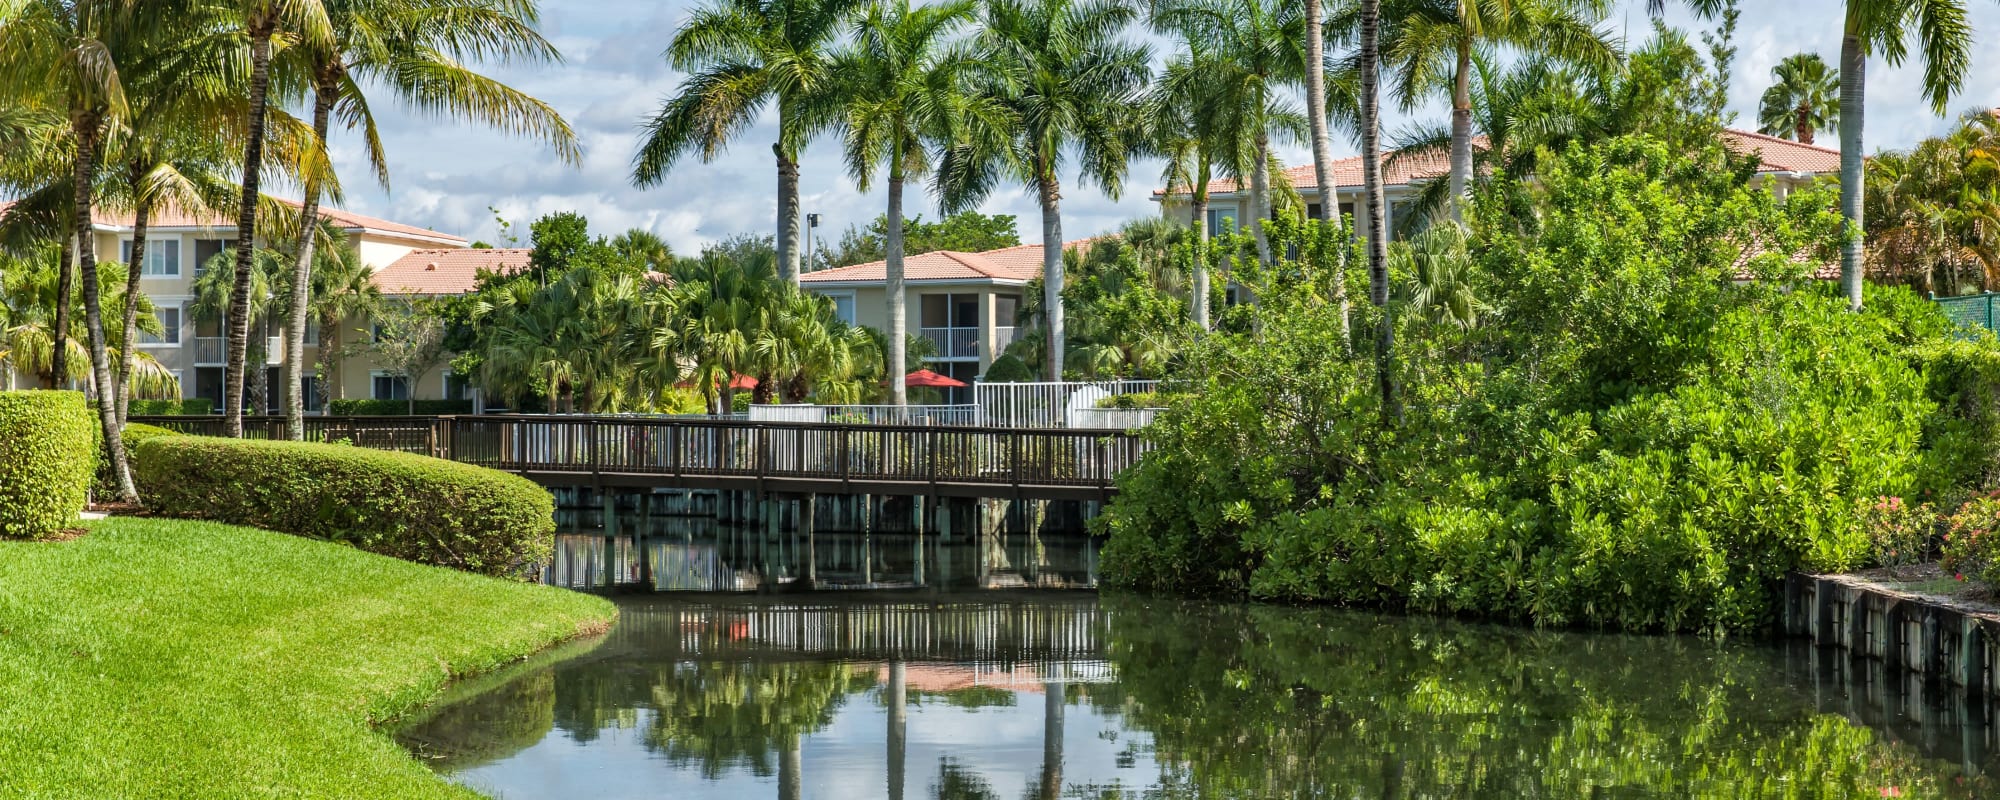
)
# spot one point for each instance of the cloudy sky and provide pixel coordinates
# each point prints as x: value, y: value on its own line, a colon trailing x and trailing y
x: 446, y: 175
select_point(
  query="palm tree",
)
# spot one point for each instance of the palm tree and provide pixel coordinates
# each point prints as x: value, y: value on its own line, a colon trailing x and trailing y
x: 740, y: 56
x: 1934, y: 211
x: 1256, y: 62
x: 644, y: 248
x: 1370, y: 57
x: 259, y: 21
x: 1883, y: 27
x: 1433, y: 44
x: 910, y: 104
x: 712, y: 317
x: 1071, y: 81
x: 1805, y: 99
x: 342, y: 289
x: 416, y: 48
x: 216, y: 297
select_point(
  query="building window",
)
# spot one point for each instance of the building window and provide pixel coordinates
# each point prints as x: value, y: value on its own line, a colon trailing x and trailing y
x: 170, y: 328
x: 205, y: 250
x: 457, y: 387
x: 163, y: 257
x: 312, y: 332
x: 390, y: 387
x: 843, y: 307
x: 1221, y: 220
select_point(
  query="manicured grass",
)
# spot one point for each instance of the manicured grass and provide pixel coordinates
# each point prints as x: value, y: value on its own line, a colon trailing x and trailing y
x: 159, y: 658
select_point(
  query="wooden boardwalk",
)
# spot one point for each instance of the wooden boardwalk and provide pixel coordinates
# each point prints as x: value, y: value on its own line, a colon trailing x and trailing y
x: 704, y: 453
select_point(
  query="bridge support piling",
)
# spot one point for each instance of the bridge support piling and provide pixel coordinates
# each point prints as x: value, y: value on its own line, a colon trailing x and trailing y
x: 807, y: 511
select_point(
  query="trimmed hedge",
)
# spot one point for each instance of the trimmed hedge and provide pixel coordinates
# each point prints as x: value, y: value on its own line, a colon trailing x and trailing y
x: 412, y: 507
x: 47, y: 442
x: 190, y: 407
x: 396, y: 408
x: 135, y: 432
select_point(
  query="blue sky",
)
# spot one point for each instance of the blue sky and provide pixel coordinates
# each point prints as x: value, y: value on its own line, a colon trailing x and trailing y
x: 445, y: 175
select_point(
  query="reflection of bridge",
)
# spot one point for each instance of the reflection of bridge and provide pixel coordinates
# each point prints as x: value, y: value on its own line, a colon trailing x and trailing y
x: 987, y: 630
x: 707, y: 453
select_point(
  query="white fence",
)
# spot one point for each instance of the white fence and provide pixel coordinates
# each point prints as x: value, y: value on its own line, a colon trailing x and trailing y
x: 1067, y: 404
x: 1070, y: 404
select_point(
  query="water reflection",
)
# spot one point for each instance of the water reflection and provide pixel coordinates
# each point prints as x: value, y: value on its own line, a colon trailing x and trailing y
x: 1046, y: 696
x: 721, y: 541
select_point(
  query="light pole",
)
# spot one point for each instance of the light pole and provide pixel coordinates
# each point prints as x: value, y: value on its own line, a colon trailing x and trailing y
x: 812, y: 221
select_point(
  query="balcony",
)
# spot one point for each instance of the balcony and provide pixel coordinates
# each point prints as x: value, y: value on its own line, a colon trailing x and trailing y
x: 953, y: 342
x: 212, y: 351
x: 1003, y: 338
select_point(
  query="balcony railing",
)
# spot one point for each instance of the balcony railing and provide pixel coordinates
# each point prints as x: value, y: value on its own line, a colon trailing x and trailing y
x: 212, y: 351
x: 954, y: 342
x: 1003, y: 338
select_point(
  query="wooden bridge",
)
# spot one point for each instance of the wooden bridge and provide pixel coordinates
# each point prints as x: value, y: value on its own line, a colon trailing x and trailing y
x: 739, y: 455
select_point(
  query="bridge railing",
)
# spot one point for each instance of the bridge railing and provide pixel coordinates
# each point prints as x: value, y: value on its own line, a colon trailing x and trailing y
x: 727, y: 448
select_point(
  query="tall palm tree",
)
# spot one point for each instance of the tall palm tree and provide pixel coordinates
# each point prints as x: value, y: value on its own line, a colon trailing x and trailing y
x: 342, y: 289
x: 1369, y: 24
x: 302, y: 23
x: 1884, y: 28
x: 1071, y: 80
x: 417, y: 49
x: 1433, y: 44
x: 1805, y: 99
x: 1257, y: 60
x: 909, y: 102
x: 742, y: 55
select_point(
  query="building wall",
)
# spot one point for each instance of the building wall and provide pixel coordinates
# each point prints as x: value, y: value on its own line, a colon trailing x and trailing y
x: 871, y: 309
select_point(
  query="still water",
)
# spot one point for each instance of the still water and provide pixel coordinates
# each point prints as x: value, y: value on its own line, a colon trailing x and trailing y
x: 1036, y: 694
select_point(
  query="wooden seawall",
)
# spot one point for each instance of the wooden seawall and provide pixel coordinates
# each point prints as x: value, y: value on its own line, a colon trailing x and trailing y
x: 1935, y: 638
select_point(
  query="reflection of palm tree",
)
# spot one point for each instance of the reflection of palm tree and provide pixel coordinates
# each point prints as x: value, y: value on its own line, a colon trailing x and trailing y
x: 957, y: 783
x: 721, y: 715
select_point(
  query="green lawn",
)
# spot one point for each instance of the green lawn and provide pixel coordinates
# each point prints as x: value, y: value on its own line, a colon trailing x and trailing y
x: 157, y: 658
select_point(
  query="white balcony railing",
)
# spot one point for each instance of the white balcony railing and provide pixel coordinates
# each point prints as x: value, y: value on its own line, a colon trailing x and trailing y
x: 1004, y: 338
x: 212, y: 351
x: 954, y: 342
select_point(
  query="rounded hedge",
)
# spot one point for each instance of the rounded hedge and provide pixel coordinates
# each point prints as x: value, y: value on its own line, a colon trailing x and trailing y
x: 134, y: 433
x: 412, y: 507
x: 47, y: 454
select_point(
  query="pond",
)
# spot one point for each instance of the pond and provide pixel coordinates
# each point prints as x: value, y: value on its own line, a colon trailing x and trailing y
x: 1036, y: 694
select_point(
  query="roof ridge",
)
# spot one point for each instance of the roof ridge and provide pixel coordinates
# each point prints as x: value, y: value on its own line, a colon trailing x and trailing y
x: 1779, y: 139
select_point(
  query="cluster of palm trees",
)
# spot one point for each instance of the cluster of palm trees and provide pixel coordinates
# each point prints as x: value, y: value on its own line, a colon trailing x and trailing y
x: 1934, y: 210
x: 185, y: 105
x: 611, y: 336
x: 974, y: 94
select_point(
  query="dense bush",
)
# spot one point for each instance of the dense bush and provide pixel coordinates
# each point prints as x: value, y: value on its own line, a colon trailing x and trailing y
x: 190, y: 407
x: 1631, y: 436
x: 1972, y: 540
x: 412, y: 507
x: 46, y: 443
x: 397, y: 408
x: 1008, y: 368
x: 135, y: 432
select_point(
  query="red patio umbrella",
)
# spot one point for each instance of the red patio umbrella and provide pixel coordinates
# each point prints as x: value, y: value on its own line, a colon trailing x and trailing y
x: 924, y: 377
x: 739, y: 383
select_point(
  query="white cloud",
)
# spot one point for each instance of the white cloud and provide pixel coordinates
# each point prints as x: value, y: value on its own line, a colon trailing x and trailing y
x: 445, y: 174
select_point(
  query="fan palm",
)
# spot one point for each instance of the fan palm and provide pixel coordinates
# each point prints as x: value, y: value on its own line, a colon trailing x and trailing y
x: 417, y: 49
x: 1943, y: 38
x: 910, y: 107
x: 1071, y: 81
x: 645, y: 249
x: 742, y: 55
x: 1805, y: 99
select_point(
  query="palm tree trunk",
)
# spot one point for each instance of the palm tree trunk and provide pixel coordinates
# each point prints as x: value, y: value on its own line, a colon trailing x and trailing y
x: 1371, y: 183
x: 246, y: 231
x: 1329, y: 205
x: 295, y: 322
x: 59, y: 330
x: 1853, y: 77
x: 897, y: 740
x: 1803, y: 128
x: 1461, y: 130
x: 1052, y: 268
x: 134, y: 266
x: 899, y: 390
x: 329, y: 354
x: 1260, y: 197
x: 1198, y: 291
x: 788, y: 214
x: 84, y: 173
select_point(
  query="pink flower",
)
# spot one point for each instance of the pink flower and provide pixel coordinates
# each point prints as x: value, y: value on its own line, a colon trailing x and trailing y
x: 1891, y: 791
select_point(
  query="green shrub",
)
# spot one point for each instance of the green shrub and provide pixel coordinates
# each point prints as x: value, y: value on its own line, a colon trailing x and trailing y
x: 1008, y: 368
x: 397, y: 408
x: 1972, y: 540
x: 190, y: 407
x: 1903, y: 533
x: 1134, y: 400
x: 135, y: 432
x: 46, y: 441
x: 411, y: 507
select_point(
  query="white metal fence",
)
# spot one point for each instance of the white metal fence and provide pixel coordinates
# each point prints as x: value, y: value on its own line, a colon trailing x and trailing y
x: 1066, y: 404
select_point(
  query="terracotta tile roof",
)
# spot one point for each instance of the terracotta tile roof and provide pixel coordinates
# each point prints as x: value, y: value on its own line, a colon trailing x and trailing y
x: 1825, y: 271
x: 1779, y: 155
x: 1010, y: 264
x: 446, y: 271
x: 175, y: 218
